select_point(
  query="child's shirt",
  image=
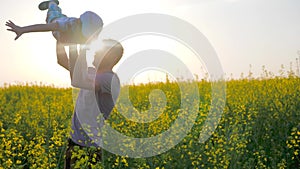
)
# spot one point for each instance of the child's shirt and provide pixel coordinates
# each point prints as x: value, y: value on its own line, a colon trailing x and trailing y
x: 69, y: 30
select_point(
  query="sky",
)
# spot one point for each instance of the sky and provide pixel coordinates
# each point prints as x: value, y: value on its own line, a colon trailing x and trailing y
x: 242, y: 32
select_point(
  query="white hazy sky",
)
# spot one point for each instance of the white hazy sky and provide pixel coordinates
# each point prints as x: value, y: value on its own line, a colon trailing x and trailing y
x: 243, y: 32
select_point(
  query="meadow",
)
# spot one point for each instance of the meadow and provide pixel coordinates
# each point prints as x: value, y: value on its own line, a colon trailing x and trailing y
x: 259, y: 128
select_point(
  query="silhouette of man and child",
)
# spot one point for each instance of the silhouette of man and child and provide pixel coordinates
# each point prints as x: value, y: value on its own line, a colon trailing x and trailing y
x: 99, y: 85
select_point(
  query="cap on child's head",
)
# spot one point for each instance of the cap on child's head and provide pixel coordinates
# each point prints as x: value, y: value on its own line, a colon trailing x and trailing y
x: 91, y: 23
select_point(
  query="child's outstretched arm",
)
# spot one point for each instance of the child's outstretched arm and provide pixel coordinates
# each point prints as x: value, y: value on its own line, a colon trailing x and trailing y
x: 32, y: 28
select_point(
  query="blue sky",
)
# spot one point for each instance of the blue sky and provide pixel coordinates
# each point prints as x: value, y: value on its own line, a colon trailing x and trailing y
x: 243, y: 32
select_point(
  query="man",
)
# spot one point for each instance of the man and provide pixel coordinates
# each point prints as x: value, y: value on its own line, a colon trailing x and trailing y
x: 99, y: 89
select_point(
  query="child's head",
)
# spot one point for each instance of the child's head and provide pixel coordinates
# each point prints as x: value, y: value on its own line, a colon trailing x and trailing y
x: 91, y: 24
x: 109, y: 54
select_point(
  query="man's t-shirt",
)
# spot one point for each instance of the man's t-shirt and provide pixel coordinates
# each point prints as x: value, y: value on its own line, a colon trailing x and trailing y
x: 107, y: 89
x: 92, y: 106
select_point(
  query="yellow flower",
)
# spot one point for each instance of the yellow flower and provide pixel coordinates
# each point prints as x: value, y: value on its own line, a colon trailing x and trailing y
x: 9, y: 162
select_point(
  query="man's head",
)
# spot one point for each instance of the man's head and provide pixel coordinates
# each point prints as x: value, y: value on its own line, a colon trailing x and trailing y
x: 109, y: 54
x: 91, y: 24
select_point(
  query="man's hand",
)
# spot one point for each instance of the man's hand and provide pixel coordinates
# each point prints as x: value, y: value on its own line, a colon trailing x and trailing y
x: 14, y: 28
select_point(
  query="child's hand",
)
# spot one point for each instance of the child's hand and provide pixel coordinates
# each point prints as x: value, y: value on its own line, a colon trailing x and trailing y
x: 14, y: 28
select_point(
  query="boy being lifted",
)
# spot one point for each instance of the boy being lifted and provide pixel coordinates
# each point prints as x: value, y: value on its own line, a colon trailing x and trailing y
x: 66, y: 30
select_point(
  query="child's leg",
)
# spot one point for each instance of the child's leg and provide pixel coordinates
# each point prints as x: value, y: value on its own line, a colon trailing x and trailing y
x: 54, y: 12
x: 45, y: 4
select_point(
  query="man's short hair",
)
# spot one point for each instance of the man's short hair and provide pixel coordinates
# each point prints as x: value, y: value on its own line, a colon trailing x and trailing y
x: 113, y: 52
x: 116, y: 49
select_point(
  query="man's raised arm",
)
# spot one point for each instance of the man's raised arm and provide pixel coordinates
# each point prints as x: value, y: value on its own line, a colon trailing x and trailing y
x: 80, y: 77
x: 62, y: 58
x: 73, y: 56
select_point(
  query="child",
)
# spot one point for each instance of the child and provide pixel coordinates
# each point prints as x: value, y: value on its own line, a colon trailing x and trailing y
x: 67, y: 30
